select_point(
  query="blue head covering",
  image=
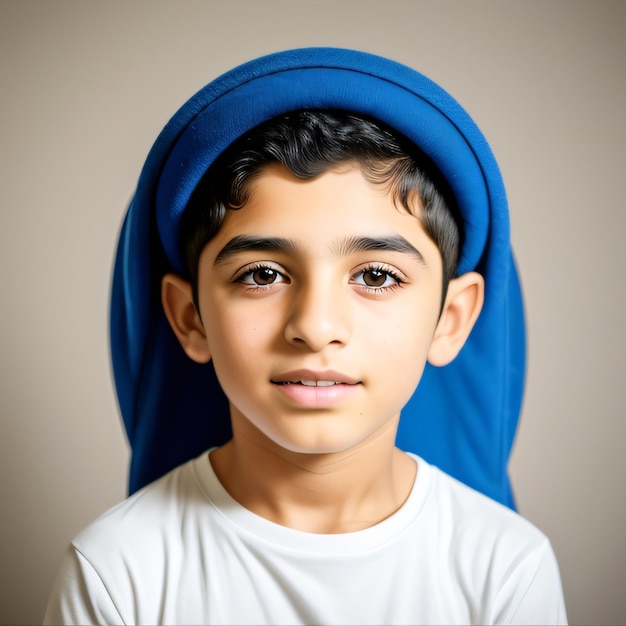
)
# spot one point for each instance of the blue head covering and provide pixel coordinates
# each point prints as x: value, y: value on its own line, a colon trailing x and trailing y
x: 463, y: 416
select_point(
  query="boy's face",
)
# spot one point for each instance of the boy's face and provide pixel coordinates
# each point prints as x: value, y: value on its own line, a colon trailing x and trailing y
x: 319, y: 300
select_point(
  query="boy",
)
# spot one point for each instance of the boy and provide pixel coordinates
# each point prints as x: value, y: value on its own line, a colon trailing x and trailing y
x: 316, y: 251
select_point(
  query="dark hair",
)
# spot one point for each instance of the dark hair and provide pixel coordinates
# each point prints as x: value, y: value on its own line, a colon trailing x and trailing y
x: 308, y: 143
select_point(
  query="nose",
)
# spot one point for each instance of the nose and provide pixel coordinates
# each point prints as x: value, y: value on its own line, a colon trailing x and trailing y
x: 319, y: 316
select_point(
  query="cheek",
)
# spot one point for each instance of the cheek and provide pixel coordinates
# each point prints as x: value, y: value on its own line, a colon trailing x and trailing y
x: 234, y: 335
x: 403, y: 344
x: 406, y: 372
x: 408, y: 332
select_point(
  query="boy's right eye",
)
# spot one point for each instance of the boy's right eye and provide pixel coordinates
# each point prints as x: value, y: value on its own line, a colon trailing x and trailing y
x: 261, y: 276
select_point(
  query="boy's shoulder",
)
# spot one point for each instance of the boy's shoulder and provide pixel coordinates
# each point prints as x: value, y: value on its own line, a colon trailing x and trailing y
x: 470, y: 507
x: 145, y: 515
x: 478, y: 528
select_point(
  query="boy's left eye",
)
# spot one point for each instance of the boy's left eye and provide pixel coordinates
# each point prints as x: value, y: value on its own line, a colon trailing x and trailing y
x: 376, y: 278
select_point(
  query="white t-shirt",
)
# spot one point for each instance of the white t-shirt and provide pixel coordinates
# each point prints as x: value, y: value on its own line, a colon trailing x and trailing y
x: 182, y: 551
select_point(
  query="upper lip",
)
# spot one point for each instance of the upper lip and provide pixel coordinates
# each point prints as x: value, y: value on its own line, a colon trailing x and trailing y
x: 296, y: 376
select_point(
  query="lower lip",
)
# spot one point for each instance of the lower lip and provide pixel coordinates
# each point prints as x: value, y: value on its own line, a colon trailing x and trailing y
x: 317, y: 397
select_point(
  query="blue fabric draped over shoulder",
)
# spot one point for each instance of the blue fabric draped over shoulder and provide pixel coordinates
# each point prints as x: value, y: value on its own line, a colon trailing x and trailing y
x: 463, y: 416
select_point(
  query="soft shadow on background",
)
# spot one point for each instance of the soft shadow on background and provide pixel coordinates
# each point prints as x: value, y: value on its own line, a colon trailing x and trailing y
x: 86, y: 87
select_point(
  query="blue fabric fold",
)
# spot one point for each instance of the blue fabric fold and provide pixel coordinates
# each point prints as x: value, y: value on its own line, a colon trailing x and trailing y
x: 463, y: 417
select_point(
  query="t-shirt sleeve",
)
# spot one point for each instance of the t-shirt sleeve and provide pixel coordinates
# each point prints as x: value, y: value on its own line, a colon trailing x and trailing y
x: 79, y: 595
x: 532, y: 592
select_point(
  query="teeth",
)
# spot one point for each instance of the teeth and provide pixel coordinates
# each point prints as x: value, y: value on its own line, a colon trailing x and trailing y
x: 318, y: 383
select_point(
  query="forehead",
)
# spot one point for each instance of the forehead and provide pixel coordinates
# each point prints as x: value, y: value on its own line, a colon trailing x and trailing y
x: 339, y: 198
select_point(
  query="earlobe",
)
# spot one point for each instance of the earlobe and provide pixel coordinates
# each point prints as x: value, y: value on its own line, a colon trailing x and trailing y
x: 462, y: 307
x: 181, y: 313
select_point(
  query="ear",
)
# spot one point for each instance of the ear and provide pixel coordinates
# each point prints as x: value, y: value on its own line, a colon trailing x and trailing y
x: 181, y: 313
x: 461, y: 309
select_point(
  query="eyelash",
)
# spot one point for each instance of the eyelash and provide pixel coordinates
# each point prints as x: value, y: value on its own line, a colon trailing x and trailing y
x: 246, y: 278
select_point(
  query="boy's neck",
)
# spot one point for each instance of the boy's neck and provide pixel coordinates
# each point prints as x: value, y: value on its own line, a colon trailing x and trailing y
x: 318, y: 493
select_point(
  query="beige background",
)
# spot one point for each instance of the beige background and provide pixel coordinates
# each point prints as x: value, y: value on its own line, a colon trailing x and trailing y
x: 85, y: 88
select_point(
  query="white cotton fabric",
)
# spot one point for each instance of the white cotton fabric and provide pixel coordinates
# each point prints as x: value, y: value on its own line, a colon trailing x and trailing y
x: 182, y: 551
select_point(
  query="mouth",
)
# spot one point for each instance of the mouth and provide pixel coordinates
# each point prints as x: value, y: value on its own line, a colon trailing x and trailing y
x: 308, y: 389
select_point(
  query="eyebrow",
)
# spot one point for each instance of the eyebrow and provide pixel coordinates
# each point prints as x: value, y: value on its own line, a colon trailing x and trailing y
x: 393, y: 243
x: 349, y: 245
x: 244, y: 243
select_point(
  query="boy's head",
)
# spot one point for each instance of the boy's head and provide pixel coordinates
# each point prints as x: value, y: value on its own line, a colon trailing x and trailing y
x: 319, y: 297
x: 174, y: 409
